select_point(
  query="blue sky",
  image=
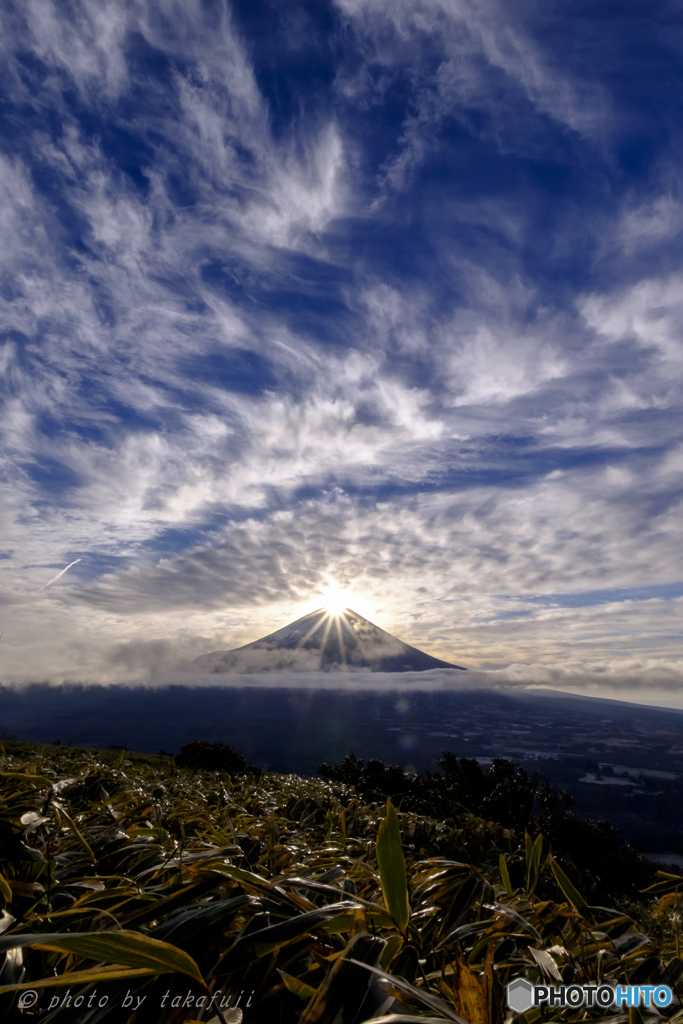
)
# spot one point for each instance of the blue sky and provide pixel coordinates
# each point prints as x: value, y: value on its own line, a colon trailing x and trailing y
x: 370, y: 295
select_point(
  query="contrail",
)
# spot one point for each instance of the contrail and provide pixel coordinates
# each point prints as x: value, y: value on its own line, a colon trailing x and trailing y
x: 54, y: 578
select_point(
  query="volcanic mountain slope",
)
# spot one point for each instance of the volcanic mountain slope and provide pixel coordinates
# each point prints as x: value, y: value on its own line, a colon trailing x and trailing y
x: 321, y: 641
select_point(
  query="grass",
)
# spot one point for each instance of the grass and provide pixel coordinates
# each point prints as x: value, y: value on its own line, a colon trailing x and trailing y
x: 199, y: 895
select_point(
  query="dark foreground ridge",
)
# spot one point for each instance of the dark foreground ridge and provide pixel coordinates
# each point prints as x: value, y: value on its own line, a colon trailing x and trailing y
x: 320, y: 641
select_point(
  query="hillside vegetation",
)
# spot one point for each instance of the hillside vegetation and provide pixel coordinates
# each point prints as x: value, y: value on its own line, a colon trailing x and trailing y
x: 137, y: 889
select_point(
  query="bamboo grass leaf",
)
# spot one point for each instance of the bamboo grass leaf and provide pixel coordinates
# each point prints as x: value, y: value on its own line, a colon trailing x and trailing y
x: 38, y: 780
x: 514, y: 915
x: 505, y: 875
x: 123, y: 948
x: 81, y: 978
x: 190, y: 920
x: 331, y: 890
x: 297, y: 987
x: 570, y: 891
x: 58, y: 787
x: 533, y: 860
x: 248, y: 878
x: 392, y: 868
x: 5, y: 888
x: 74, y: 828
x: 174, y: 900
x: 393, y: 946
x: 345, y: 992
x: 415, y: 994
x: 259, y: 943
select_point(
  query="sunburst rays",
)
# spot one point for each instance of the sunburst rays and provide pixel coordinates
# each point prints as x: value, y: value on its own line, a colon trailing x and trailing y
x: 316, y: 625
x: 331, y: 615
x: 342, y: 650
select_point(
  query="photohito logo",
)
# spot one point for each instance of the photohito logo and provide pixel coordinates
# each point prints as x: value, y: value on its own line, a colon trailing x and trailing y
x: 522, y: 995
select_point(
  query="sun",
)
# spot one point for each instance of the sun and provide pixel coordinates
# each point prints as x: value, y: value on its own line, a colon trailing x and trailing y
x: 335, y: 602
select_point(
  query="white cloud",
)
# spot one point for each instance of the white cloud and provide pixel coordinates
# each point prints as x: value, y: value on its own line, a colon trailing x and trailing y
x: 645, y: 225
x: 461, y: 575
x: 108, y: 310
x: 476, y: 41
x: 649, y: 312
x: 89, y: 50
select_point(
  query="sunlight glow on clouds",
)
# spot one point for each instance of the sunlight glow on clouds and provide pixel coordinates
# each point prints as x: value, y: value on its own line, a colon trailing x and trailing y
x: 382, y: 297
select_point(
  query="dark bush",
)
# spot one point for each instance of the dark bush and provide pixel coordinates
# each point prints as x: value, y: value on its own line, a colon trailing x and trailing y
x: 211, y: 757
x: 505, y: 793
x: 597, y: 857
x: 593, y: 851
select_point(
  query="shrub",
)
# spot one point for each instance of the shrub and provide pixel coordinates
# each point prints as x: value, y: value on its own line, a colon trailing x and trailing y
x: 211, y: 757
x: 505, y: 794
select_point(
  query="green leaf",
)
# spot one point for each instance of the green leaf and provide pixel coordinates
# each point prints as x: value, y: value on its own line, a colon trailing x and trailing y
x: 259, y: 943
x: 74, y: 828
x: 407, y: 964
x: 5, y: 888
x: 124, y: 948
x: 569, y: 890
x: 533, y: 860
x: 343, y: 993
x: 344, y: 922
x: 297, y: 987
x: 246, y: 878
x: 394, y: 943
x: 307, y: 883
x: 39, y: 779
x: 392, y: 868
x: 505, y: 874
x: 173, y: 901
x: 81, y: 978
x: 414, y: 994
x: 507, y: 911
x: 190, y: 921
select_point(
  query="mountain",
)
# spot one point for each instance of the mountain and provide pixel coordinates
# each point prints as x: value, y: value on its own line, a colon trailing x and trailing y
x: 320, y: 641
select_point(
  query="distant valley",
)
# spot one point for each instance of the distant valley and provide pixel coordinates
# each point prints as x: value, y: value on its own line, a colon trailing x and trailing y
x: 621, y: 762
